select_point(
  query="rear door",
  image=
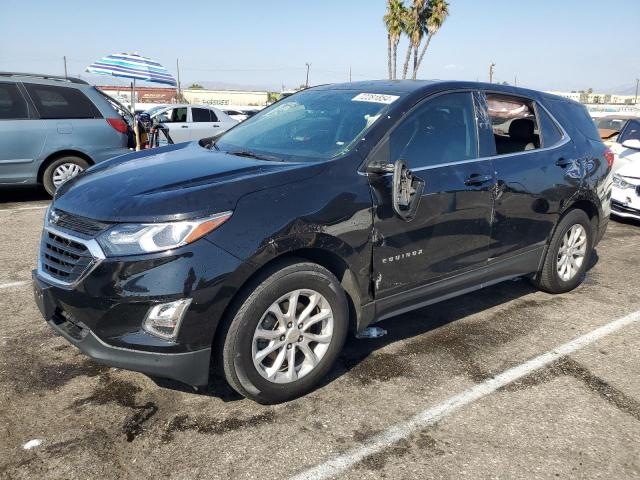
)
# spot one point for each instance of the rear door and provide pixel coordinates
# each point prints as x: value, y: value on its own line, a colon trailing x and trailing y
x: 537, y: 169
x: 451, y: 230
x: 204, y: 123
x: 22, y: 136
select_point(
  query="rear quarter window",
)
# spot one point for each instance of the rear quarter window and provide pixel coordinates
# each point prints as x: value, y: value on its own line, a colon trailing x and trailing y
x: 53, y: 102
x: 575, y: 116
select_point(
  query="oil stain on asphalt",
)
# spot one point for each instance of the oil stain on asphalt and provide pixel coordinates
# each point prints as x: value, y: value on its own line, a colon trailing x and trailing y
x: 214, y: 426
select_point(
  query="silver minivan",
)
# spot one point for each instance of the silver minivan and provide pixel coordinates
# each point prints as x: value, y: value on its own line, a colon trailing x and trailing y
x: 53, y: 128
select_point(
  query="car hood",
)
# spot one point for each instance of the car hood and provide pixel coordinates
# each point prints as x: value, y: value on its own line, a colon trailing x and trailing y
x: 630, y: 170
x: 172, y: 183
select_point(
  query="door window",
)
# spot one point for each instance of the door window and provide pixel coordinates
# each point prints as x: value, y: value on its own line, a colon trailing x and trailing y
x: 551, y: 134
x: 175, y: 115
x: 440, y: 131
x: 53, y: 102
x: 514, y: 123
x: 203, y: 115
x: 631, y: 131
x: 12, y: 104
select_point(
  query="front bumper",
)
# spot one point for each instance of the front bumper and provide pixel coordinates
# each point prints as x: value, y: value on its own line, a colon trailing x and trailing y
x: 626, y: 203
x: 188, y: 367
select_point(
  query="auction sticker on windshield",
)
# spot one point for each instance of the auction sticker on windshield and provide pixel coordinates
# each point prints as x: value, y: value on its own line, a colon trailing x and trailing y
x: 375, y: 98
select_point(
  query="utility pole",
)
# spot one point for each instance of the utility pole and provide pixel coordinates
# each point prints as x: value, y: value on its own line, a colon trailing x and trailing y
x: 491, y: 66
x: 64, y: 59
x: 307, y: 82
x: 179, y: 92
x: 350, y: 76
x: 515, y: 80
x: 636, y: 99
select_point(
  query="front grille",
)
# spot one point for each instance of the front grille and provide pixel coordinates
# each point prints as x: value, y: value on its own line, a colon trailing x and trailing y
x: 75, y: 223
x: 620, y: 207
x: 64, y: 259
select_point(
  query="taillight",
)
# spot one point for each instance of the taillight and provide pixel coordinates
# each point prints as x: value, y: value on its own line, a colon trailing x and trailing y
x: 118, y: 124
x: 608, y: 154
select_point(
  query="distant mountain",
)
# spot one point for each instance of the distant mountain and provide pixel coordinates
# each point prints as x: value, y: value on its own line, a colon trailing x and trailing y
x: 211, y: 85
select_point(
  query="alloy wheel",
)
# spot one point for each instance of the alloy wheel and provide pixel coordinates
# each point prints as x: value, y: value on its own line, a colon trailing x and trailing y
x: 292, y: 336
x: 571, y: 253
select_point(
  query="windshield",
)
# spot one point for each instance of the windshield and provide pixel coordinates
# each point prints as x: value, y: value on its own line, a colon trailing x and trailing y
x: 312, y: 125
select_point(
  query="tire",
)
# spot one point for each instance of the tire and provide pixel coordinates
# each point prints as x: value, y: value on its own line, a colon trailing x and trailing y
x: 549, y: 279
x: 74, y: 164
x: 242, y: 341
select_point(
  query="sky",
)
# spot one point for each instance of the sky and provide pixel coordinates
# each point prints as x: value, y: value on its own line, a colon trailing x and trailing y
x: 547, y: 44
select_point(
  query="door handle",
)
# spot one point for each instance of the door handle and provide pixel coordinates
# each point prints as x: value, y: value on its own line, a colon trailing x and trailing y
x: 477, y: 179
x: 563, y: 162
x: 216, y: 126
x: 184, y: 126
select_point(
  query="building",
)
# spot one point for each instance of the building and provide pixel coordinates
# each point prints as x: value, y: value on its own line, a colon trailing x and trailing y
x: 226, y: 97
x: 577, y: 96
x: 592, y: 98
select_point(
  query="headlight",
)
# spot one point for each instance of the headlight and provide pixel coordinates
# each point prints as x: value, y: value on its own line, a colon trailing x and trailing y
x: 620, y: 182
x: 135, y: 238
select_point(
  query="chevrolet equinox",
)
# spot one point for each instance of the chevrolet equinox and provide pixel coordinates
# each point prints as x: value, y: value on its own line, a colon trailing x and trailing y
x: 257, y: 251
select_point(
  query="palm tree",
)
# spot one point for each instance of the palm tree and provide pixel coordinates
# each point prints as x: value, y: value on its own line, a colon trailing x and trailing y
x: 393, y: 20
x: 438, y: 13
x: 414, y: 29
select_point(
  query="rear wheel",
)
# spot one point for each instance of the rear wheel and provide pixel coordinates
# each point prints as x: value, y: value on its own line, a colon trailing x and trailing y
x: 568, y: 254
x: 62, y: 170
x: 286, y: 333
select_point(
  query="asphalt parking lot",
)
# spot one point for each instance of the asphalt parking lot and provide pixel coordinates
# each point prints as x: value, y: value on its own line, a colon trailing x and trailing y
x: 387, y: 411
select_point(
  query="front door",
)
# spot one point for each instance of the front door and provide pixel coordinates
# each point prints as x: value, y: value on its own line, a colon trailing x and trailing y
x: 451, y: 230
x: 175, y: 119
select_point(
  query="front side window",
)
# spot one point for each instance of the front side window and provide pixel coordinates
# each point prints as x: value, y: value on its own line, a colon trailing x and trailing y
x: 174, y: 115
x: 12, y: 104
x: 53, y: 102
x: 312, y: 125
x: 203, y: 115
x: 631, y: 131
x: 440, y: 131
x: 514, y: 124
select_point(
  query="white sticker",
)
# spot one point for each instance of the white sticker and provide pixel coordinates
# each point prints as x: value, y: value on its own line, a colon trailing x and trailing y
x: 375, y: 98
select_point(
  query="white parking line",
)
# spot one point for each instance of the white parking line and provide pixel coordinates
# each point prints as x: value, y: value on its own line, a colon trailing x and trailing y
x: 7, y: 210
x: 421, y: 420
x: 21, y: 283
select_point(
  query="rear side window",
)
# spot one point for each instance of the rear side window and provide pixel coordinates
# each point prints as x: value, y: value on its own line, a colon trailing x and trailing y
x: 12, y: 105
x: 53, y: 102
x: 551, y: 134
x: 514, y: 124
x: 203, y: 115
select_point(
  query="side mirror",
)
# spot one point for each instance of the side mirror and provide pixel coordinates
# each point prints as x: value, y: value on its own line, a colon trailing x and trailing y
x: 406, y: 192
x: 633, y: 144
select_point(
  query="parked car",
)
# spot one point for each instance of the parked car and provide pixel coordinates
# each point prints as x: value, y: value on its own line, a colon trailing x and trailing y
x: 625, y: 198
x: 237, y: 115
x: 330, y: 210
x: 192, y: 122
x: 625, y: 147
x: 53, y: 128
x: 609, y: 126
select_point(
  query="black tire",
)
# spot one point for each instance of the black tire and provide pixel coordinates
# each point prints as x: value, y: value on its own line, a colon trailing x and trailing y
x: 237, y: 339
x: 47, y: 176
x: 548, y: 279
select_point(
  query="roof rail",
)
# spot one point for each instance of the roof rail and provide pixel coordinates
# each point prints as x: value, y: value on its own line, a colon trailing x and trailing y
x: 44, y: 76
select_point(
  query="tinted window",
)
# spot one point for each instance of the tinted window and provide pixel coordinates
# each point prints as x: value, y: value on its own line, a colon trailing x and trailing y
x: 580, y: 119
x: 631, y: 131
x: 514, y: 123
x: 203, y: 115
x: 551, y: 134
x: 442, y: 130
x: 61, y: 102
x: 12, y: 104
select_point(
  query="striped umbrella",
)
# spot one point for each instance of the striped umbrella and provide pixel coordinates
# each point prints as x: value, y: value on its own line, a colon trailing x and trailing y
x: 134, y: 66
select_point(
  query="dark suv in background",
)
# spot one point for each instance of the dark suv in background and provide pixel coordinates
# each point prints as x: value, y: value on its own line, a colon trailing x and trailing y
x: 334, y: 208
x: 52, y: 128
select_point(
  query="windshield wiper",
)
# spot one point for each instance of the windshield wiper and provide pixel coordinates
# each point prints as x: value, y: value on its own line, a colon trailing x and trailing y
x: 250, y: 154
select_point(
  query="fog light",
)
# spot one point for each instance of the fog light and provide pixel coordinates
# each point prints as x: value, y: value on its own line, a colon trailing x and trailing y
x: 163, y: 320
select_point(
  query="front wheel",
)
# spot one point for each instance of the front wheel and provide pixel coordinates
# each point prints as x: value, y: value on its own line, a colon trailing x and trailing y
x: 62, y: 170
x: 286, y: 334
x: 568, y: 254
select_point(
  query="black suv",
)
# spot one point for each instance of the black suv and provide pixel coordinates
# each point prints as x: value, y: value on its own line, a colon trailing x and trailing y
x: 336, y: 207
